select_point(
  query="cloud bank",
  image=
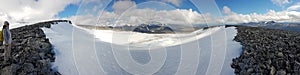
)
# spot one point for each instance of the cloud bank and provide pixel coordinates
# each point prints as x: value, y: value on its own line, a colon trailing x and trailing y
x: 125, y: 12
x: 185, y: 17
x: 32, y: 10
x: 280, y: 2
x: 294, y: 7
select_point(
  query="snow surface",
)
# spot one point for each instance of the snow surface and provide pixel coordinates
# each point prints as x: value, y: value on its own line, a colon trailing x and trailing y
x: 93, y: 52
x: 143, y: 40
x: 60, y: 36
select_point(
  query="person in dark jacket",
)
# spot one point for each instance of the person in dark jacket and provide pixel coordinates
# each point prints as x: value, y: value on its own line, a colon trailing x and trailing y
x: 7, y: 41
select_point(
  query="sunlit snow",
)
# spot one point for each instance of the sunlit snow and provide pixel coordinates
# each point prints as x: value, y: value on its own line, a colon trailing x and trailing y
x: 88, y: 52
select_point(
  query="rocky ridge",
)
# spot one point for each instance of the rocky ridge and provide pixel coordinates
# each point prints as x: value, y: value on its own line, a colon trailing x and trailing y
x: 31, y: 52
x: 267, y: 52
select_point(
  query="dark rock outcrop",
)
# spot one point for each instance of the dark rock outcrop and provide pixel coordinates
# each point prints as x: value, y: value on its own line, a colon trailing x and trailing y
x: 31, y: 51
x: 267, y: 52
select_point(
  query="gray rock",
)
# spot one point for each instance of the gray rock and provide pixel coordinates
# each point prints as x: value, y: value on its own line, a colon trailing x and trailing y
x: 10, y: 70
x: 267, y: 51
x: 27, y: 68
x: 31, y: 51
x: 272, y: 71
x: 281, y: 72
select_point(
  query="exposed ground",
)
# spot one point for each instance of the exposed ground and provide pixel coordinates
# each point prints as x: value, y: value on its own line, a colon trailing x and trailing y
x: 31, y: 52
x: 267, y: 52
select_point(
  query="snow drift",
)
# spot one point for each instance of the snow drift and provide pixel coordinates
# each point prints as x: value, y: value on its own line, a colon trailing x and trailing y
x: 90, y: 52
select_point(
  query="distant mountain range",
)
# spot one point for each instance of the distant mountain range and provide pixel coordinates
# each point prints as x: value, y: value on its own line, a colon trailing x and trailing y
x: 156, y: 28
x: 175, y: 28
x: 272, y: 25
x: 260, y: 23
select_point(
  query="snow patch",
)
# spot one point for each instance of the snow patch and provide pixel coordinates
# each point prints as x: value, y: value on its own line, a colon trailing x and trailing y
x: 69, y: 63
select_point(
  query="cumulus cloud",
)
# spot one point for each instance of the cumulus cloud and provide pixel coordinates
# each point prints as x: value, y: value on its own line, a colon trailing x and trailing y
x: 280, y: 2
x: 281, y: 16
x: 227, y: 10
x: 175, y: 2
x: 185, y: 17
x: 126, y: 13
x: 89, y: 1
x: 32, y: 10
x: 139, y: 16
x: 121, y: 6
x: 38, y: 10
x: 90, y: 19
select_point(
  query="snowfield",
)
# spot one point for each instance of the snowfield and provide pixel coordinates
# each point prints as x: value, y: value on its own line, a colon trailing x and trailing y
x: 60, y: 36
x: 97, y: 52
x: 142, y: 41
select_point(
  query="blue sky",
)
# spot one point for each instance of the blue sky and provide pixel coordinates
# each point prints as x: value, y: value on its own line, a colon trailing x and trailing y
x: 69, y: 11
x: 231, y: 10
x: 238, y: 6
x: 249, y: 6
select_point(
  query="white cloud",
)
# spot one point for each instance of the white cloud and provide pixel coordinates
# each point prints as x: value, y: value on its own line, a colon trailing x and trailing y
x: 175, y: 2
x: 227, y: 10
x: 121, y: 6
x: 90, y: 19
x: 84, y: 19
x: 37, y: 10
x: 139, y: 16
x: 32, y: 10
x: 126, y: 13
x: 280, y: 2
x: 281, y: 16
x: 294, y: 7
x: 185, y: 17
x: 90, y: 1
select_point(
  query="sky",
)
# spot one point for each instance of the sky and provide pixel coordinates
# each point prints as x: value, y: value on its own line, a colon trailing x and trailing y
x: 121, y: 12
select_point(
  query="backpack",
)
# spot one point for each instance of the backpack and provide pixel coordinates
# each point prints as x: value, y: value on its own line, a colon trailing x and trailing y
x: 1, y: 36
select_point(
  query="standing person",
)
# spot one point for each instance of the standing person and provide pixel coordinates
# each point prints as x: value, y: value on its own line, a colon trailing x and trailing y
x: 1, y: 38
x: 7, y: 40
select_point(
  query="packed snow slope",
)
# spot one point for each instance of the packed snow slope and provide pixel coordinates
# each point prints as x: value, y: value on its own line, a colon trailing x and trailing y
x: 81, y: 51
